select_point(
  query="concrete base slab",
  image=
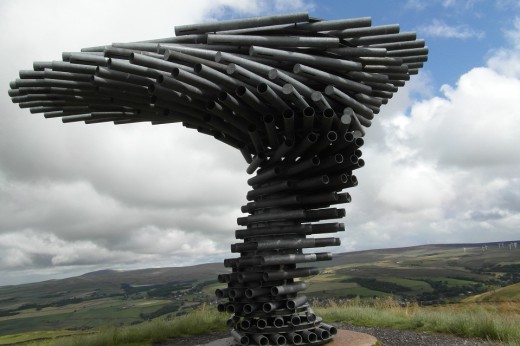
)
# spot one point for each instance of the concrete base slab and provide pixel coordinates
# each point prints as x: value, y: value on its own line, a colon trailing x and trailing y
x: 350, y: 338
x: 343, y: 338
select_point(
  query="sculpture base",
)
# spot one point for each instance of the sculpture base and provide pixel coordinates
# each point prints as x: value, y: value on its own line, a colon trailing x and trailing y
x: 343, y: 338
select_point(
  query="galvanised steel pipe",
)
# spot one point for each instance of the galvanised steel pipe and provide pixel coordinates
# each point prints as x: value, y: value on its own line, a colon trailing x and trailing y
x: 298, y: 126
x: 254, y: 22
x: 274, y: 41
x: 329, y: 78
x: 300, y: 58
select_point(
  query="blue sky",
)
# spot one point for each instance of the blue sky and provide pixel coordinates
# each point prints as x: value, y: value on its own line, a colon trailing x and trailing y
x: 442, y: 158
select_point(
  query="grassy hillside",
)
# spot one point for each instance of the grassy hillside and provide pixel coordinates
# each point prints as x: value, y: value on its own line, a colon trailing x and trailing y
x: 430, y: 274
x: 508, y: 294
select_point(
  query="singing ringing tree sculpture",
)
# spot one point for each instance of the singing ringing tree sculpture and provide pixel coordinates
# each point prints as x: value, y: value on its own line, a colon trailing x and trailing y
x: 294, y: 94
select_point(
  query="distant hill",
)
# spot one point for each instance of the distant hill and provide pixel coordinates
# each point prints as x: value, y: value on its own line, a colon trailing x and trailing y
x: 429, y: 274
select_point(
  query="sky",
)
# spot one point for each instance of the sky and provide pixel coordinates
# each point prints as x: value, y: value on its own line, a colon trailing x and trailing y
x: 442, y: 158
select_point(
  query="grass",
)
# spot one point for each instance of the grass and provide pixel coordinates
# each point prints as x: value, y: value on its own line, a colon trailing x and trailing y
x: 499, y: 323
x: 468, y: 321
x: 203, y: 320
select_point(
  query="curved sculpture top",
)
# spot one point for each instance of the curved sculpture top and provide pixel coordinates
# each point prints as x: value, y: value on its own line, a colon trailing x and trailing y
x: 294, y: 94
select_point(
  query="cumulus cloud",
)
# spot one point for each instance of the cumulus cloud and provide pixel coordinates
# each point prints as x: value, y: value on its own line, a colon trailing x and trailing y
x: 446, y: 169
x: 80, y: 197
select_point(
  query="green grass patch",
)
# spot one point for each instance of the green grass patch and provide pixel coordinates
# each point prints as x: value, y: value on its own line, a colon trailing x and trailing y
x: 200, y: 321
x: 39, y: 335
x: 463, y: 321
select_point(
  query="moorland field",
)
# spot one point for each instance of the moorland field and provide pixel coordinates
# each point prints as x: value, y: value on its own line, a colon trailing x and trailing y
x: 435, y: 276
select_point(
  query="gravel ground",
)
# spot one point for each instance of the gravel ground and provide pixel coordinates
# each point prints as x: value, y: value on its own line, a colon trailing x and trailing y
x: 388, y: 337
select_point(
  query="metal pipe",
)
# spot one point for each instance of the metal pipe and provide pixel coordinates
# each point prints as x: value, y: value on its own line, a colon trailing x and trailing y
x: 256, y: 292
x: 288, y: 122
x: 123, y: 76
x: 370, y: 40
x: 201, y: 52
x: 87, y: 59
x: 264, y: 176
x: 322, y: 144
x: 241, y: 339
x: 270, y: 127
x: 400, y: 45
x: 313, y: 183
x: 322, y: 333
x: 235, y: 293
x: 331, y: 329
x: 386, y: 61
x: 199, y: 82
x: 250, y: 99
x: 173, y: 56
x: 42, y: 65
x: 248, y: 276
x: 283, y: 78
x: 261, y: 340
x: 308, y: 119
x: 253, y: 22
x: 240, y: 109
x: 290, y: 274
x: 309, y: 336
x: 328, y: 213
x: 271, y: 306
x: 302, y: 147
x: 358, y: 51
x: 222, y: 292
x: 185, y: 88
x: 368, y: 31
x: 297, y: 229
x: 243, y: 61
x: 267, y: 93
x: 294, y: 258
x: 294, y: 338
x: 281, y: 151
x: 226, y: 115
x: 277, y: 54
x: 278, y: 339
x: 249, y: 308
x: 158, y: 64
x: 338, y: 24
x: 265, y: 190
x: 294, y: 96
x: 302, y: 165
x: 329, y: 78
x: 273, y: 41
x: 288, y: 289
x: 255, y: 139
x: 250, y: 78
x: 126, y: 66
x: 408, y: 52
x: 217, y: 76
x: 257, y: 161
x: 320, y: 101
x: 345, y: 99
x: 232, y: 322
x: 293, y: 303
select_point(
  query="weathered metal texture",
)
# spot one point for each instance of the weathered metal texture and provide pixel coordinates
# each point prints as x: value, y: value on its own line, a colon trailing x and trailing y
x: 293, y: 94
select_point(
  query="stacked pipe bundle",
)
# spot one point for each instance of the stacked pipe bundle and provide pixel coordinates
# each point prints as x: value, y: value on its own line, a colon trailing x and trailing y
x: 294, y: 94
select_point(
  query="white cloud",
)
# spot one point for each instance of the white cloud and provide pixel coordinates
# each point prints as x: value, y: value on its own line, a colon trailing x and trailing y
x: 439, y: 28
x: 447, y: 169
